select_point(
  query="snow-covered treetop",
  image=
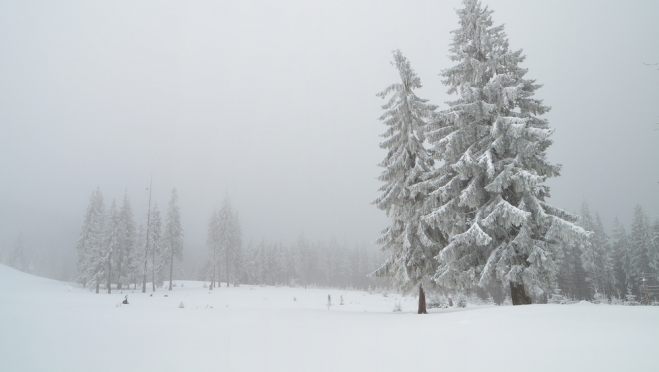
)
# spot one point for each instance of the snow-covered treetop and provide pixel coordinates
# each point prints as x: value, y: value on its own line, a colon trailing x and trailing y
x: 405, y: 116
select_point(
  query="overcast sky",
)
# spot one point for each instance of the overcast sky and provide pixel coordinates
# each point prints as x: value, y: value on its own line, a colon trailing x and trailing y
x: 273, y: 103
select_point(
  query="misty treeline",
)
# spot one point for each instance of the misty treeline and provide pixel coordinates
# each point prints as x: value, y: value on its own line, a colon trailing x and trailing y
x: 302, y: 263
x: 621, y: 267
x: 112, y: 250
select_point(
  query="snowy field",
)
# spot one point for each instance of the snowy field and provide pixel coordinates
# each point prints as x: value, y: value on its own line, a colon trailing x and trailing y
x: 46, y: 325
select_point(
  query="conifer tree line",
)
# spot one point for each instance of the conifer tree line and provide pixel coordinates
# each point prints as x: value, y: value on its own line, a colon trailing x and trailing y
x: 464, y: 186
x: 115, y: 254
x: 265, y: 263
x: 300, y: 264
x: 112, y: 251
x: 622, y: 266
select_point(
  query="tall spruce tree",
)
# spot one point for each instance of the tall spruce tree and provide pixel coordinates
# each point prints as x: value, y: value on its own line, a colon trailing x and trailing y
x: 229, y: 238
x: 596, y: 255
x: 654, y: 249
x: 90, y: 242
x: 156, y: 249
x: 112, y: 237
x: 410, y: 262
x: 18, y: 258
x: 126, y: 256
x: 173, y: 235
x: 488, y: 197
x: 213, y: 245
x: 639, y: 249
x: 622, y: 258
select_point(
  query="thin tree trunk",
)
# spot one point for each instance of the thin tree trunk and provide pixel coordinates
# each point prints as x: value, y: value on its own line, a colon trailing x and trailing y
x: 518, y: 294
x: 227, y: 248
x: 171, y: 267
x: 422, y: 301
x: 98, y: 286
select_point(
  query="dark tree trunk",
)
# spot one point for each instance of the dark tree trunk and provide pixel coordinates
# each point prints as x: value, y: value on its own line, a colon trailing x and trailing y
x: 98, y: 286
x: 422, y: 301
x: 518, y: 294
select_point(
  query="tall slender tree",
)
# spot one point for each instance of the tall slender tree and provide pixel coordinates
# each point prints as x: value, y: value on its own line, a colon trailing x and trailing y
x: 156, y: 249
x: 18, y: 258
x: 146, y: 243
x: 410, y: 262
x: 90, y: 242
x: 639, y: 249
x: 213, y: 245
x: 173, y: 235
x: 126, y: 257
x: 229, y: 237
x: 654, y: 249
x: 112, y: 243
x: 622, y: 258
x: 488, y: 198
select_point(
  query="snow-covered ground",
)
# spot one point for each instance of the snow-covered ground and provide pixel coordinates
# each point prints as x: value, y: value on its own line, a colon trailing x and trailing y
x: 46, y: 325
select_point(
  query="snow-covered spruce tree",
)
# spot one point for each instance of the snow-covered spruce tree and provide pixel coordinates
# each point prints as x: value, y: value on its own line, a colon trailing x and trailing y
x: 622, y: 258
x: 229, y: 234
x: 126, y: 256
x: 213, y: 245
x: 639, y: 248
x: 571, y: 275
x: 304, y: 266
x: 173, y: 236
x: 654, y: 249
x: 112, y: 240
x: 604, y: 258
x: 488, y: 197
x: 18, y: 258
x: 596, y: 256
x: 410, y: 263
x: 91, y: 239
x: 156, y: 249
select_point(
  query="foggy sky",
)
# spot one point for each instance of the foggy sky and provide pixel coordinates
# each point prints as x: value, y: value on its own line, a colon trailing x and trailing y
x: 273, y: 104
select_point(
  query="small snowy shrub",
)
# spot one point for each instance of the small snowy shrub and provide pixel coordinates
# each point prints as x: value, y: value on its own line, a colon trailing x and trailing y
x: 436, y: 301
x: 617, y: 301
x: 181, y: 305
x: 600, y: 298
x: 630, y: 298
x: 558, y: 298
x: 397, y: 307
x: 461, y: 301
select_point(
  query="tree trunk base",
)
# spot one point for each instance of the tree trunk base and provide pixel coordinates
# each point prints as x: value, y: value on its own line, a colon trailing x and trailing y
x: 518, y: 294
x: 422, y: 301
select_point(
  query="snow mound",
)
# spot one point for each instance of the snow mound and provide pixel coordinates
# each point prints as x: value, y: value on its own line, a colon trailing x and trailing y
x: 585, y: 303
